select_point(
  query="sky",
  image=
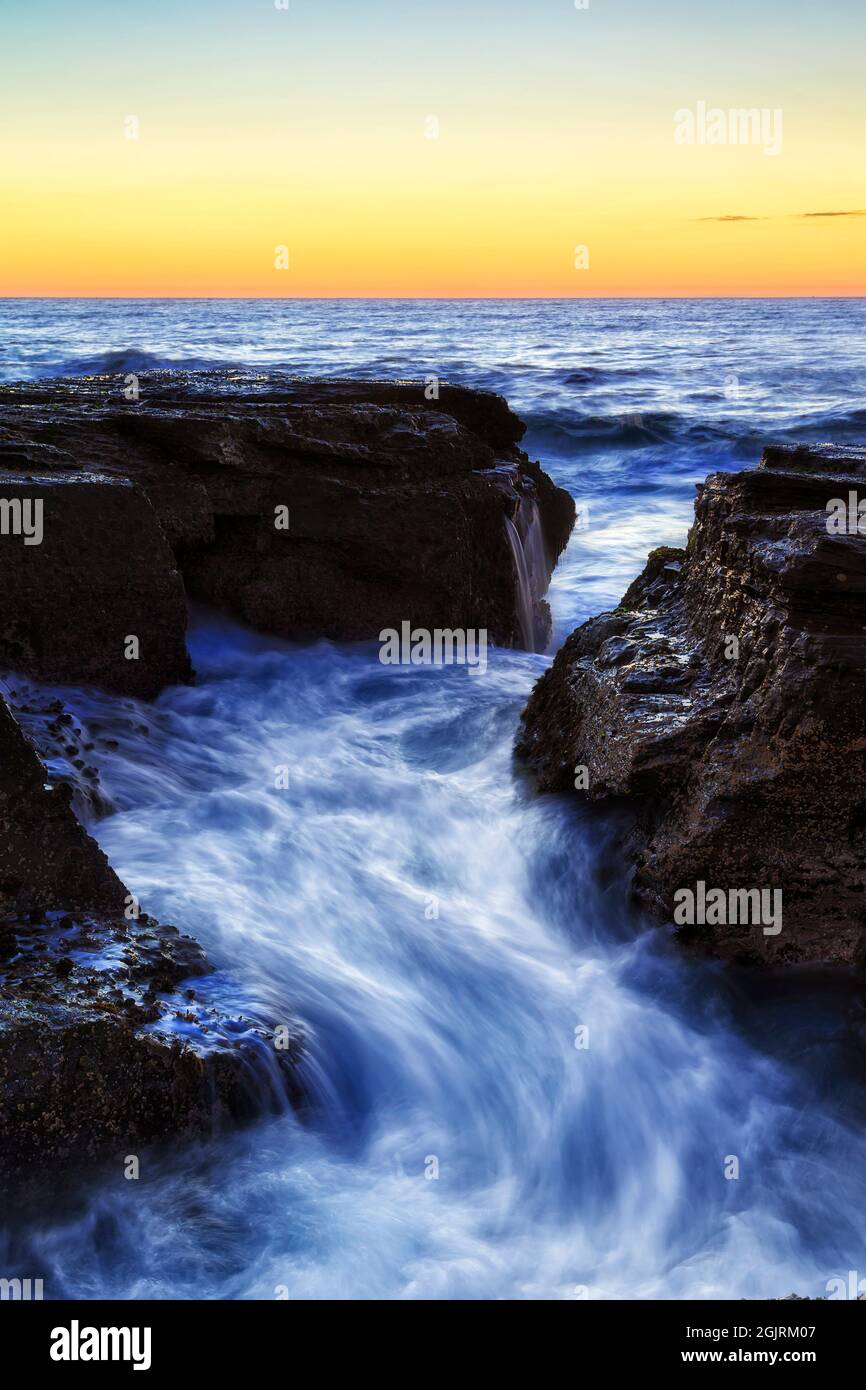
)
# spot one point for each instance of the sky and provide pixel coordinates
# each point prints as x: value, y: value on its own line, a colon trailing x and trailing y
x: 432, y: 148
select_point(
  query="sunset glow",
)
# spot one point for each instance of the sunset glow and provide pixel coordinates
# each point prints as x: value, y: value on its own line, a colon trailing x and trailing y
x: 315, y: 129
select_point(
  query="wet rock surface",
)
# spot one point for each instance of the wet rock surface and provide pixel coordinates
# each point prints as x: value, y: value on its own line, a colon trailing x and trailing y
x: 108, y: 1043
x: 47, y: 859
x: 114, y: 1031
x: 725, y: 701
x: 307, y: 508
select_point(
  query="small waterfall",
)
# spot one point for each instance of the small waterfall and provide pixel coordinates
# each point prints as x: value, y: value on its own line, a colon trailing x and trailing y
x: 525, y: 602
x: 534, y: 548
x: 531, y: 568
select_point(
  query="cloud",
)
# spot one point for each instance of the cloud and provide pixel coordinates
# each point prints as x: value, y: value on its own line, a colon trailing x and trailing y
x: 852, y: 212
x: 743, y: 217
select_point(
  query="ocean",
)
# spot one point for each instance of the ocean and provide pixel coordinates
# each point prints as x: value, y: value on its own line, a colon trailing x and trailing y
x: 439, y: 929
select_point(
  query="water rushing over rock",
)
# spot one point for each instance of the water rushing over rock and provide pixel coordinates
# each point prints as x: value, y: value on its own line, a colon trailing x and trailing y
x: 525, y: 601
x: 442, y: 933
x: 440, y: 929
x: 532, y: 569
x: 114, y: 1033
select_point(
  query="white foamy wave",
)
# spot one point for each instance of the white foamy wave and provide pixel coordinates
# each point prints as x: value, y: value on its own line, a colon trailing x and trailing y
x: 442, y: 932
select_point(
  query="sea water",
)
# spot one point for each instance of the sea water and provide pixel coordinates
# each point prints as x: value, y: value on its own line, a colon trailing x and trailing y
x: 520, y: 1087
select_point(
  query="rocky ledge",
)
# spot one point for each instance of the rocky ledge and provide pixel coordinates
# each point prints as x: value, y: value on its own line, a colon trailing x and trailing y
x: 307, y: 508
x: 725, y: 700
x: 110, y: 1038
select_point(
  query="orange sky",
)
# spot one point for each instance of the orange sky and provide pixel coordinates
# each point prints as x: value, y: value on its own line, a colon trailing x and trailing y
x: 403, y: 149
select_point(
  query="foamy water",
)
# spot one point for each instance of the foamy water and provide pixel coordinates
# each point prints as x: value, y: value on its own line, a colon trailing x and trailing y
x: 439, y: 929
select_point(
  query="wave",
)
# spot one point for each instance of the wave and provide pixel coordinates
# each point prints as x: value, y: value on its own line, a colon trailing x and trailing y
x: 834, y: 422
x: 120, y: 361
x: 592, y: 376
x: 567, y: 432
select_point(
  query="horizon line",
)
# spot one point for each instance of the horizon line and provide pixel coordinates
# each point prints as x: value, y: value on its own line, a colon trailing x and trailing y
x: 416, y: 299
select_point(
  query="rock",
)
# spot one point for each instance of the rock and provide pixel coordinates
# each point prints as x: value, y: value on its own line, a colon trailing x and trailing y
x: 102, y: 1050
x: 47, y: 859
x: 396, y: 505
x: 100, y: 573
x: 725, y: 699
x: 399, y: 509
x: 102, y: 1053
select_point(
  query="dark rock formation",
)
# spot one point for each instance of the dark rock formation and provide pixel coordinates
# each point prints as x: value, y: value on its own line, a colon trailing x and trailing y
x: 106, y: 1046
x: 396, y: 505
x: 399, y: 509
x: 726, y: 699
x: 47, y: 860
x: 101, y: 1048
x: 102, y: 573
